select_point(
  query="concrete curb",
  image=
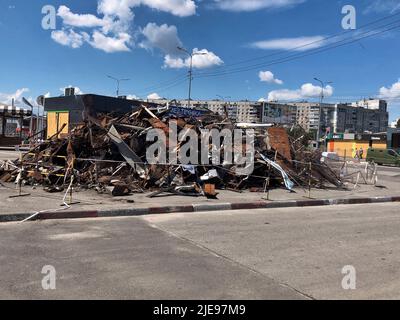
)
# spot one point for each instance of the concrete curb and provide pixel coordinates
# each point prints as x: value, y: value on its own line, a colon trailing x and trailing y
x: 194, y: 208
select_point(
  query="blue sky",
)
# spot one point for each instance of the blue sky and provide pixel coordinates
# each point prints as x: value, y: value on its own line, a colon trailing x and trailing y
x: 137, y: 39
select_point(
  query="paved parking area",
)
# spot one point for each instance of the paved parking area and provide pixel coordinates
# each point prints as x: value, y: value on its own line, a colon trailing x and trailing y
x: 9, y: 155
x: 259, y: 254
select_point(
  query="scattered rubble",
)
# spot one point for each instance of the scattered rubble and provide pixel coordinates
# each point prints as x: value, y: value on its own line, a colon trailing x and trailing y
x: 109, y: 155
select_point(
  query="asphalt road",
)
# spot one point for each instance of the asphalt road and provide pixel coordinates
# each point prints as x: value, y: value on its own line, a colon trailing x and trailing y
x: 9, y: 155
x: 260, y: 254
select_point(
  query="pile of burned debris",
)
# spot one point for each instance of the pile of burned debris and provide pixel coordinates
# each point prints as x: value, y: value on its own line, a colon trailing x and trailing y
x: 111, y: 155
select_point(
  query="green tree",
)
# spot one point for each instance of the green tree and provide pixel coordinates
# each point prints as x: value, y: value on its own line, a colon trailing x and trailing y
x: 398, y: 124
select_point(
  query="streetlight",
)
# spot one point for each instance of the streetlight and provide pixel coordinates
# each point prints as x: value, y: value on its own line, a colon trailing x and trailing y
x: 191, y: 55
x: 118, y: 82
x: 320, y: 107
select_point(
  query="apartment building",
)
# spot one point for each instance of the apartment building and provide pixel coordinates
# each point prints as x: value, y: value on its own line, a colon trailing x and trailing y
x: 358, y: 117
x: 353, y: 118
x: 283, y: 114
x: 308, y: 115
x: 239, y: 111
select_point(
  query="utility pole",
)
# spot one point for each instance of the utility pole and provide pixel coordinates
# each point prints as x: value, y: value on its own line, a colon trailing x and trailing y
x: 118, y: 82
x: 191, y: 55
x: 320, y: 107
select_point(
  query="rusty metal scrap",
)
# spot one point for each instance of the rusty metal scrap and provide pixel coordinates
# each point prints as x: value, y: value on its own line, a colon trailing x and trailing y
x: 108, y: 154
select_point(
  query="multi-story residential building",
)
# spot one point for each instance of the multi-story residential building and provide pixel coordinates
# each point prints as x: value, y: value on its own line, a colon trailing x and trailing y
x: 350, y: 118
x: 369, y: 116
x: 358, y: 117
x: 283, y: 114
x: 239, y: 111
x: 308, y: 115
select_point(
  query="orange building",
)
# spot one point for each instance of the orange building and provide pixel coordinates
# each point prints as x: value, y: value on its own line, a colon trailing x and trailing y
x: 347, y: 144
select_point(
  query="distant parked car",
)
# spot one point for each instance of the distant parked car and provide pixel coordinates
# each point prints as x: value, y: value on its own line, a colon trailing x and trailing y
x: 333, y: 156
x: 388, y: 157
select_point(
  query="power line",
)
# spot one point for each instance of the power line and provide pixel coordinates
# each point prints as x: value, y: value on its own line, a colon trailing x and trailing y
x: 298, y: 56
x: 293, y: 57
x: 310, y: 43
x: 165, y: 83
x: 162, y: 86
x: 170, y: 86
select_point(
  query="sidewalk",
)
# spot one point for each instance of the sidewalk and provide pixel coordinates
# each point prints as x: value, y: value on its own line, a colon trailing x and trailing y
x: 92, y: 204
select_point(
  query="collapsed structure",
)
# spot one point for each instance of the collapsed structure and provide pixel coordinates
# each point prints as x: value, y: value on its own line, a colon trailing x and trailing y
x: 108, y: 154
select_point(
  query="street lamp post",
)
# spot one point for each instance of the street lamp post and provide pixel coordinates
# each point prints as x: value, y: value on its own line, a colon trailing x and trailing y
x: 118, y: 83
x: 320, y: 108
x: 191, y: 55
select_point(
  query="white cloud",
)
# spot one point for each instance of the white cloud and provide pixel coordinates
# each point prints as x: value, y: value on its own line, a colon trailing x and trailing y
x: 79, y: 20
x: 110, y: 44
x: 69, y: 38
x: 253, y: 5
x: 132, y: 97
x: 297, y: 44
x: 392, y: 92
x: 307, y: 90
x: 268, y: 76
x: 153, y: 96
x: 205, y: 59
x: 123, y: 8
x: 117, y: 43
x: 111, y: 32
x: 163, y: 37
x: 166, y: 39
x: 379, y: 6
x: 7, y: 98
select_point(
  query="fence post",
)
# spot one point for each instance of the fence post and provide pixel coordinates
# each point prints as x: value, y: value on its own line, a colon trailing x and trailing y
x: 309, y: 180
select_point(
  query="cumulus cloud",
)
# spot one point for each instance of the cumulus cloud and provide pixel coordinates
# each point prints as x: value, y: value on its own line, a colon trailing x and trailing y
x: 268, y: 76
x: 163, y: 37
x: 297, y: 44
x: 117, y: 43
x: 111, y: 31
x: 69, y: 38
x: 392, y: 92
x: 7, y: 98
x: 201, y: 60
x: 123, y: 9
x: 79, y: 20
x: 253, y: 5
x: 166, y: 39
x: 307, y: 90
x: 132, y: 97
x: 154, y: 96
